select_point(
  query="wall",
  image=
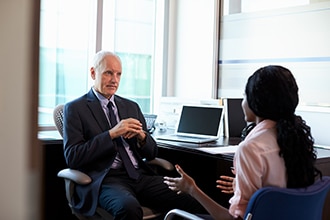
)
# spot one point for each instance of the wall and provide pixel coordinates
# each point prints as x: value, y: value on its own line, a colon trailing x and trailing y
x: 295, y: 37
x: 319, y: 120
x: 20, y: 153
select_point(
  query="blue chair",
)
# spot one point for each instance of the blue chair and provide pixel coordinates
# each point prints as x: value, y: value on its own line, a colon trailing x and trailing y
x: 274, y: 203
x: 283, y: 203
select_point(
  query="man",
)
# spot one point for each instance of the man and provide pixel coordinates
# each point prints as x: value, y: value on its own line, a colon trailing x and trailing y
x: 97, y: 128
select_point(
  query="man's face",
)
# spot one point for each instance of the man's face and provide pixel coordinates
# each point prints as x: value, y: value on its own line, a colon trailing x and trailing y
x: 107, y: 76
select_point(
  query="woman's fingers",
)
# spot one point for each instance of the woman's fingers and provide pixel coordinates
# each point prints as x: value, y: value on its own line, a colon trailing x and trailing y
x: 225, y: 183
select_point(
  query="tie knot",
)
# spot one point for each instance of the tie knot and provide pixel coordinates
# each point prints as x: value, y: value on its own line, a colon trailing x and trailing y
x: 110, y: 104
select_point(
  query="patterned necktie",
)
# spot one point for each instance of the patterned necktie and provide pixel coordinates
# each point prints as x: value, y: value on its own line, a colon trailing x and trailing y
x: 132, y: 173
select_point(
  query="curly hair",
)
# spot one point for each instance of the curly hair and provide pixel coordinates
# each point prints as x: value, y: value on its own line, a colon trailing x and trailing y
x: 272, y: 93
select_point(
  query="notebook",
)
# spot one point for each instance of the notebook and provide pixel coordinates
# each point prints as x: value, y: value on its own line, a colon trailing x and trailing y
x: 197, y: 124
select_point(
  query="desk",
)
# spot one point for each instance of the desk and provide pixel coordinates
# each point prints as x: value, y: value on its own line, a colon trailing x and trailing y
x: 205, y: 168
x: 322, y: 162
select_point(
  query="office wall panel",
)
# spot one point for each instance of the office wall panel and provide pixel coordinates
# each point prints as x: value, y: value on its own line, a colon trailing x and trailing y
x: 295, y: 37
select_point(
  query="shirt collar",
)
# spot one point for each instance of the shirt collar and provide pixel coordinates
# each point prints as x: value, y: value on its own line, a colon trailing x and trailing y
x: 102, y: 99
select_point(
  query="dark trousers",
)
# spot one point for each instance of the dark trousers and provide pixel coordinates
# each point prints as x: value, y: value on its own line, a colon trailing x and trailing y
x: 123, y: 197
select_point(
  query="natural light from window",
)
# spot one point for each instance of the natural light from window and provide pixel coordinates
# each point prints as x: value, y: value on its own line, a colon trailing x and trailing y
x: 71, y: 31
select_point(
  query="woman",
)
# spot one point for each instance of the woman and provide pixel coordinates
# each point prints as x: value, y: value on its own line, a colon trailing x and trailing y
x: 225, y: 183
x: 277, y: 152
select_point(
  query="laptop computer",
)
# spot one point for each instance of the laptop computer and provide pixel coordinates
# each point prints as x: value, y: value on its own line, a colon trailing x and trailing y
x: 197, y: 124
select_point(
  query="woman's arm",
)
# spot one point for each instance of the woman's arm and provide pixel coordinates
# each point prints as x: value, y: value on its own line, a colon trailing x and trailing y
x: 186, y: 184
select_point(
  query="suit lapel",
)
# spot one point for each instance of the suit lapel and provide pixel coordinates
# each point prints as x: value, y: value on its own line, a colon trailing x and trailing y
x: 122, y: 110
x: 96, y: 110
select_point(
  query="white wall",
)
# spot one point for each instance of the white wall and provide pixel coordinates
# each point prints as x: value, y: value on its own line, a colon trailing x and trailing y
x: 295, y: 37
x: 19, y: 160
x: 193, y: 56
x: 318, y: 119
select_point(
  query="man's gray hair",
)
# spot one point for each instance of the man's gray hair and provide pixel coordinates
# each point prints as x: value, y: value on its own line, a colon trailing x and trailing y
x: 99, y: 57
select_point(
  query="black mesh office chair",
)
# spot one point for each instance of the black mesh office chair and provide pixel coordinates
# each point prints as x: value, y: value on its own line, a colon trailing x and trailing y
x: 72, y: 177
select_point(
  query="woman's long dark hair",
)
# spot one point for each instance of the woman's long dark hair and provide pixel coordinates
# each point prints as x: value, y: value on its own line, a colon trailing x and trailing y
x: 272, y: 93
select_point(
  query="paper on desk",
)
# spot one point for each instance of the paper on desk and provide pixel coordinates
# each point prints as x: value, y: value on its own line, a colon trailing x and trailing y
x: 220, y: 150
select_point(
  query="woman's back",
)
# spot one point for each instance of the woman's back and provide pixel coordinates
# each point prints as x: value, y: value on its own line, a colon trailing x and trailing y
x: 257, y: 164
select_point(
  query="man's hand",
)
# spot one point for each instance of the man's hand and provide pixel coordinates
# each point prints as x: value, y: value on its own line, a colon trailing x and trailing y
x: 128, y: 128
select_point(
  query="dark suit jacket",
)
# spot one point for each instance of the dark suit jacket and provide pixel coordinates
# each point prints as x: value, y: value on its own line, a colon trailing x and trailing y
x: 89, y: 148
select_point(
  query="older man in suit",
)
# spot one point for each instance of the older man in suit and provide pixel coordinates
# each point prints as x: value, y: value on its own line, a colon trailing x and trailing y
x: 105, y: 136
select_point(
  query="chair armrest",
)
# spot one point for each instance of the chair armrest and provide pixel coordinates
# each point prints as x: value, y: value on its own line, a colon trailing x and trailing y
x: 162, y: 163
x: 83, y: 179
x: 75, y: 176
x: 178, y: 212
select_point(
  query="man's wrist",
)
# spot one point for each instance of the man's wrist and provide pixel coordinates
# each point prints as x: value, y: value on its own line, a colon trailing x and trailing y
x: 143, y: 140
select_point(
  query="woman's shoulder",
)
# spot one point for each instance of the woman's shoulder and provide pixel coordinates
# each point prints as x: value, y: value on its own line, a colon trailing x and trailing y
x: 262, y: 137
x: 262, y: 129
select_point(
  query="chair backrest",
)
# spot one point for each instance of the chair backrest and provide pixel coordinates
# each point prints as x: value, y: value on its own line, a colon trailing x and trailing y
x: 283, y: 203
x: 58, y: 118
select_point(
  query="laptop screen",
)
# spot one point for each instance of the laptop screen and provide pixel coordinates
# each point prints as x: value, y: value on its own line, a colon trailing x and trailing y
x: 234, y: 117
x: 200, y: 120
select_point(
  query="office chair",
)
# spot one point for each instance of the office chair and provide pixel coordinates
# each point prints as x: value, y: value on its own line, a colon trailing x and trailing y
x: 273, y: 203
x: 72, y: 177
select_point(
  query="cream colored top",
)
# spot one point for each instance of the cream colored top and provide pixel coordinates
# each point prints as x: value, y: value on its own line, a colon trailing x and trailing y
x: 257, y: 164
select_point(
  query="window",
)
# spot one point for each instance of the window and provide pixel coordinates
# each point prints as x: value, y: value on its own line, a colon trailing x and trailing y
x: 292, y: 33
x: 65, y: 39
x: 72, y: 30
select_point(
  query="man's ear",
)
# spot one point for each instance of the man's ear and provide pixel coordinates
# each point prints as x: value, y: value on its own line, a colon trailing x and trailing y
x: 92, y: 71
